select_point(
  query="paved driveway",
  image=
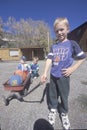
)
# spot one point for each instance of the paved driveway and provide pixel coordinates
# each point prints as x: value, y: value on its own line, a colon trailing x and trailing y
x: 22, y: 115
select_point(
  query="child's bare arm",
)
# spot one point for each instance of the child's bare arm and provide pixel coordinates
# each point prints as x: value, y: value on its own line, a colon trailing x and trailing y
x: 47, y: 66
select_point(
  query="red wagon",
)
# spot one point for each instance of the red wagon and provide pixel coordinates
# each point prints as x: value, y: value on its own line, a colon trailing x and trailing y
x: 18, y: 88
x: 13, y: 88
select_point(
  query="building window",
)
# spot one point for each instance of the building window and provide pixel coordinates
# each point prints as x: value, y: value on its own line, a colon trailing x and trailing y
x: 14, y: 53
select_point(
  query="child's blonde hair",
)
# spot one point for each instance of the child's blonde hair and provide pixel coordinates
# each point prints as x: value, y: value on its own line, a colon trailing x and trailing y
x: 61, y: 19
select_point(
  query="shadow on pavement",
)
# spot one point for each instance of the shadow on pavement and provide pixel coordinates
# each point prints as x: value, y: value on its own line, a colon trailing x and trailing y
x: 42, y: 124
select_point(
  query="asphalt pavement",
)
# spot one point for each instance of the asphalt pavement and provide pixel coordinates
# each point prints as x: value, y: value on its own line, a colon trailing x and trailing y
x: 23, y: 115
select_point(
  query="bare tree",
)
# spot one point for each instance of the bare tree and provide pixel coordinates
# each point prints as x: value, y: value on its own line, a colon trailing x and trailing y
x: 28, y: 32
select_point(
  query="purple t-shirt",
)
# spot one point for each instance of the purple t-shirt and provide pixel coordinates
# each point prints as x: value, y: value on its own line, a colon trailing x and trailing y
x: 62, y: 56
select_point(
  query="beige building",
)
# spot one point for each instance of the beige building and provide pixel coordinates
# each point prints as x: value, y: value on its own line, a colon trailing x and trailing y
x: 16, y: 53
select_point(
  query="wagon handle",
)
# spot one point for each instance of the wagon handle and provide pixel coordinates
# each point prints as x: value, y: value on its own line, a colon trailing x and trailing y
x: 40, y: 83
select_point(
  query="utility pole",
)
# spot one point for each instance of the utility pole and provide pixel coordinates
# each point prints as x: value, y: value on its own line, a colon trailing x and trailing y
x: 48, y: 41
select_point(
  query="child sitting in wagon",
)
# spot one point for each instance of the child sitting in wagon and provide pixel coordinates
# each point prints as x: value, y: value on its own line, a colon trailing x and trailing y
x: 20, y: 75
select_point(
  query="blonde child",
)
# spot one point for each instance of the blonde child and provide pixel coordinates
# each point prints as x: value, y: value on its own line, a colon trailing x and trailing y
x: 60, y: 58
